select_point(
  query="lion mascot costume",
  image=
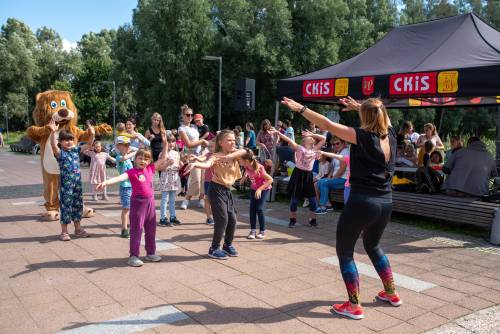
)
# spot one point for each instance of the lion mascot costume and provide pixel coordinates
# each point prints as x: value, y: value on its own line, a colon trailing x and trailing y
x: 56, y: 105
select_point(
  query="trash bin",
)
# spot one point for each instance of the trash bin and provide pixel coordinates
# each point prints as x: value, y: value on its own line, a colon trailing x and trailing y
x: 495, y: 228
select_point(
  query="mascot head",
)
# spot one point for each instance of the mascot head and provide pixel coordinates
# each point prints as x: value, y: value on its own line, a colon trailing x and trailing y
x: 56, y: 105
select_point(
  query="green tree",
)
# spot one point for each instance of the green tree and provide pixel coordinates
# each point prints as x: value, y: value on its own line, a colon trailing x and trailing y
x: 255, y: 40
x: 92, y: 97
x: 172, y: 38
x: 413, y: 11
x: 18, y: 70
x: 357, y: 36
x: 384, y: 16
x: 317, y: 31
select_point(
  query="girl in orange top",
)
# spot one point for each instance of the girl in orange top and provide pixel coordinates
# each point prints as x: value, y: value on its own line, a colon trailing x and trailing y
x: 226, y: 170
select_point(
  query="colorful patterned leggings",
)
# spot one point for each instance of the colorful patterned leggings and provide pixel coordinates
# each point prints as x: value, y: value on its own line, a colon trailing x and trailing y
x: 368, y: 215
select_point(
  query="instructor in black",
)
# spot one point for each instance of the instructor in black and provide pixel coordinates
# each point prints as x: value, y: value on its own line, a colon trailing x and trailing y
x: 369, y: 208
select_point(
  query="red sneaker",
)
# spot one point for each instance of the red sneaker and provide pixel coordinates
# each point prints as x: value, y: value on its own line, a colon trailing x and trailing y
x: 394, y: 299
x: 348, y: 310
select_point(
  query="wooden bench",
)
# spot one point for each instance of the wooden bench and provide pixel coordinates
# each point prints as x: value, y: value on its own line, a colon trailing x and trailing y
x: 468, y: 210
x: 26, y: 145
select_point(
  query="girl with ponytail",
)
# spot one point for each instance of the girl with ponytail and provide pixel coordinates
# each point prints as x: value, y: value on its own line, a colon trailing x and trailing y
x: 260, y: 188
x: 369, y: 208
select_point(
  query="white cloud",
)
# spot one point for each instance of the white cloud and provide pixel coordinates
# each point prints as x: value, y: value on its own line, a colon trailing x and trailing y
x: 68, y: 45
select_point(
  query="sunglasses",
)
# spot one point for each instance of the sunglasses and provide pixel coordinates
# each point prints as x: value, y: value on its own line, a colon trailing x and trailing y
x: 336, y: 144
x: 188, y: 115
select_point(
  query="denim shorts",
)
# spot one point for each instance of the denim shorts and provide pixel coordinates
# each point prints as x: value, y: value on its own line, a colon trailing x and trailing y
x: 125, y: 194
x: 206, y: 186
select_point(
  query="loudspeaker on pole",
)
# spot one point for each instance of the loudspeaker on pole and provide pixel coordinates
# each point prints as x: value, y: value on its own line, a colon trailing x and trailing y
x: 245, y: 95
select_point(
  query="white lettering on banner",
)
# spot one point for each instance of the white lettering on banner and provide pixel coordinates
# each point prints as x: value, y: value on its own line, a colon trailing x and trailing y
x: 413, y: 83
x: 317, y: 88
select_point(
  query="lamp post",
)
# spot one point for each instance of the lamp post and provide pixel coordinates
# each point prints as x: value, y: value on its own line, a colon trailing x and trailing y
x: 6, y: 120
x: 114, y: 106
x: 218, y: 58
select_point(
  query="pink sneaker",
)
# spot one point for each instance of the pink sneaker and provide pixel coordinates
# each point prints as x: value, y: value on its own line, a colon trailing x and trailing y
x: 394, y: 299
x: 348, y: 310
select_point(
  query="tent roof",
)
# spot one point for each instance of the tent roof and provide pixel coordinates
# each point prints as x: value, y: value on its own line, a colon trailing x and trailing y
x: 454, y: 42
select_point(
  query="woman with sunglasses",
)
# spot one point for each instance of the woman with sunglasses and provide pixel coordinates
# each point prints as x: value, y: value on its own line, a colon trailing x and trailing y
x: 189, y: 134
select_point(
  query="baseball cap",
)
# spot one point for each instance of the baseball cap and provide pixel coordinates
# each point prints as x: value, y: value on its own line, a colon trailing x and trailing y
x: 197, y: 117
x: 122, y: 140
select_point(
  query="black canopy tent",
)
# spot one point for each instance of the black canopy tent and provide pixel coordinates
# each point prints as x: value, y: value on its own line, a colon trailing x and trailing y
x: 453, y: 61
x: 445, y: 62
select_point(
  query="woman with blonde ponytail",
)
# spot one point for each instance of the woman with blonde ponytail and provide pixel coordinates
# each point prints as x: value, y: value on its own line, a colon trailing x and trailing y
x: 369, y: 208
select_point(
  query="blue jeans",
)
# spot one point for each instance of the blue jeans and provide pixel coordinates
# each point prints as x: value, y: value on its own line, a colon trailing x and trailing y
x: 347, y: 192
x: 257, y: 207
x: 171, y: 204
x: 324, y: 187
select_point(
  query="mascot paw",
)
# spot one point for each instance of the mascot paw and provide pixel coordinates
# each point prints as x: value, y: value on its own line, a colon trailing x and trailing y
x: 88, y: 212
x: 105, y: 129
x: 50, y: 216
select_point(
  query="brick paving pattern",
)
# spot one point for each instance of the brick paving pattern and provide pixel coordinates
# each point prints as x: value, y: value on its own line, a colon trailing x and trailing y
x: 277, y: 285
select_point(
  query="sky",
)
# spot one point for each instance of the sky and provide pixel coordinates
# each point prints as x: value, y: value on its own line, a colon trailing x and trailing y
x: 70, y: 18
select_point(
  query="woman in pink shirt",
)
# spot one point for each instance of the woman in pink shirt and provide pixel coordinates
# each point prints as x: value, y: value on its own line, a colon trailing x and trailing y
x: 142, y: 203
x: 301, y: 184
x: 260, y: 189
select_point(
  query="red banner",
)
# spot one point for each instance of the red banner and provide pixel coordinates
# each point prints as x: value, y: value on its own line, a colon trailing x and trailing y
x: 413, y: 83
x: 368, y: 85
x: 318, y: 88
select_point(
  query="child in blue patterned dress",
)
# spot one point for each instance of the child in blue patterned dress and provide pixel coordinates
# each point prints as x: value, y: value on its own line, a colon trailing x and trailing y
x: 70, y: 190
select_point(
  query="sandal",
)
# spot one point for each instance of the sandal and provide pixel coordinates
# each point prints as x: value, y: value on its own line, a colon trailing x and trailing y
x: 64, y: 236
x: 81, y: 233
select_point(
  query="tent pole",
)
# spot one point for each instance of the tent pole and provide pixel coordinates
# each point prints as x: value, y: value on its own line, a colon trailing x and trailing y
x: 497, y: 141
x: 273, y: 168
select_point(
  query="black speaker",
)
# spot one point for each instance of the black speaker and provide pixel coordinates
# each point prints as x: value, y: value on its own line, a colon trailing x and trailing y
x: 245, y: 95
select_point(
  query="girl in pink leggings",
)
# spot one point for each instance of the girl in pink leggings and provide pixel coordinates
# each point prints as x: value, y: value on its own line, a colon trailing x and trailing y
x: 142, y: 204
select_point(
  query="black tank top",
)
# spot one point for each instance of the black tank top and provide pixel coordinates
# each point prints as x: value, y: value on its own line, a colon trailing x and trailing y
x: 156, y: 143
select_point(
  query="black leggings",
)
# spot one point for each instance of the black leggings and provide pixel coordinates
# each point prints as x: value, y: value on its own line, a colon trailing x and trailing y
x: 221, y: 201
x: 368, y: 215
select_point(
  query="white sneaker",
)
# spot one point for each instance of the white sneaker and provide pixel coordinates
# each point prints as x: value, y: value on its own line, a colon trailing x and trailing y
x: 153, y: 258
x: 261, y: 235
x: 306, y: 203
x: 251, y: 235
x: 201, y: 204
x: 184, y: 204
x: 134, y: 261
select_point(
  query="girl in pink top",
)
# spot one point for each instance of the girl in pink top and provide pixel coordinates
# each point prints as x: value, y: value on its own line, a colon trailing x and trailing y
x: 97, y: 172
x: 259, y: 193
x: 142, y: 203
x: 301, y: 184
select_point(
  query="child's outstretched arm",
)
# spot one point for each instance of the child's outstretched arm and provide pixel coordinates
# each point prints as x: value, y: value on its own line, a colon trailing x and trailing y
x: 203, y: 165
x: 116, y: 179
x: 233, y: 155
x: 128, y: 156
x: 339, y: 157
x: 53, y: 143
x: 290, y: 142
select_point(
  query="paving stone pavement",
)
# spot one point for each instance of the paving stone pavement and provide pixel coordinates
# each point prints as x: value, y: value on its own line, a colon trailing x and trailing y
x: 276, y: 285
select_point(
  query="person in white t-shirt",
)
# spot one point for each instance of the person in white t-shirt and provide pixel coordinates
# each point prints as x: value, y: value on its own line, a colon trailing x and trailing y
x: 193, y: 145
x: 336, y: 179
